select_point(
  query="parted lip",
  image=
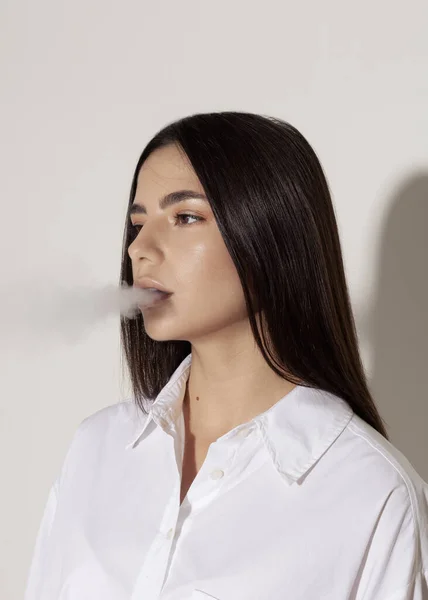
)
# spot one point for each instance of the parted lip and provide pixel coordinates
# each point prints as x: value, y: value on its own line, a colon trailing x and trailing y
x: 147, y: 282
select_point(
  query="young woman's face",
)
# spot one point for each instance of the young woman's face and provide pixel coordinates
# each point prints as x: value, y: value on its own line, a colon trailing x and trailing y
x: 184, y: 253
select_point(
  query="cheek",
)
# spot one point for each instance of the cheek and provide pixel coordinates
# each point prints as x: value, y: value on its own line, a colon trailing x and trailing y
x: 214, y: 291
x: 207, y: 282
x: 207, y: 264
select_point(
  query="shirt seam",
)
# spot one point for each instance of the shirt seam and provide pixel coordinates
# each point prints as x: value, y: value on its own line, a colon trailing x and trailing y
x: 404, y: 477
x: 397, y: 595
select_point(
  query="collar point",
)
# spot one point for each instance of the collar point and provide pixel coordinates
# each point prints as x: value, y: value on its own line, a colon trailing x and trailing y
x: 289, y: 478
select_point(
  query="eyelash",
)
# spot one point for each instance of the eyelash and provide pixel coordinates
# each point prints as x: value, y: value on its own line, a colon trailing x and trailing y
x: 176, y: 216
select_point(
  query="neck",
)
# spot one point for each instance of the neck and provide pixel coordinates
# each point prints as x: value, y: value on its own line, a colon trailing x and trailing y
x: 212, y: 411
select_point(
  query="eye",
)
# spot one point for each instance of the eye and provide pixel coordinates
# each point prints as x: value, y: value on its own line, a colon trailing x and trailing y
x: 185, y: 215
x: 136, y: 228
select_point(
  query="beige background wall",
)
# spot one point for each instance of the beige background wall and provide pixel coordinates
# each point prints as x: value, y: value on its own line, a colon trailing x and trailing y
x: 84, y: 85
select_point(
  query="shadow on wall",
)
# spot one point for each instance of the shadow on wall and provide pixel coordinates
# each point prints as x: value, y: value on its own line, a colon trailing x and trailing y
x: 395, y: 326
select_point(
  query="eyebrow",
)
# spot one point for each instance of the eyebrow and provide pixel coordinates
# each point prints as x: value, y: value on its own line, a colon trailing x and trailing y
x: 168, y: 200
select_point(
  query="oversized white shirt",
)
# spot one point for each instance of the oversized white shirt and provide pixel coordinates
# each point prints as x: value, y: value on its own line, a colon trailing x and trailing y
x: 304, y: 502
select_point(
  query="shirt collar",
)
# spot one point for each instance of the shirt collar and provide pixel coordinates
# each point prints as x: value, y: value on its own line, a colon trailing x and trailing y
x: 297, y: 430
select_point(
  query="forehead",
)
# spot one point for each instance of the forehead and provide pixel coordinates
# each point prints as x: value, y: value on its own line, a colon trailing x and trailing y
x: 165, y: 170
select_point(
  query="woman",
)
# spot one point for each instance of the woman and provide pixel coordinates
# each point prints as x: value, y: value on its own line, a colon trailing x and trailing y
x: 251, y: 462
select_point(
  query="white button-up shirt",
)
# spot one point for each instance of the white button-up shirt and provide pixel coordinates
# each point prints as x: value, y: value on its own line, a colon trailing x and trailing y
x: 304, y: 502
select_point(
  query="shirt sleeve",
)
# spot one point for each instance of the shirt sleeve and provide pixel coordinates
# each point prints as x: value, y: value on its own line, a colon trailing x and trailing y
x: 395, y: 567
x: 37, y: 567
x: 416, y: 590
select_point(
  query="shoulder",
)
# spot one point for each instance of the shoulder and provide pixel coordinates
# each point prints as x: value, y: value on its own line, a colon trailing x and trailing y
x: 385, y: 458
x: 107, y: 431
x: 116, y: 422
x: 382, y: 466
x: 120, y: 413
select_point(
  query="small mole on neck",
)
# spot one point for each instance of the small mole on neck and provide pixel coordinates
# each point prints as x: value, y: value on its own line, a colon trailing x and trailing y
x: 197, y: 397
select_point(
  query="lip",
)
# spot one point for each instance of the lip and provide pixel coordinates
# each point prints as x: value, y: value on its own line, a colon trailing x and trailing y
x: 147, y: 282
x: 157, y: 302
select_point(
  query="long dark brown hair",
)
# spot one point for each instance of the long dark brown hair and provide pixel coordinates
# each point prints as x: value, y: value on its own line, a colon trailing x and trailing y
x: 271, y: 200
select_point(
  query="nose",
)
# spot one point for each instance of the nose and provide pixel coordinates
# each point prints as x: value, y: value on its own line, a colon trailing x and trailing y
x: 136, y: 247
x: 143, y: 243
x: 134, y: 250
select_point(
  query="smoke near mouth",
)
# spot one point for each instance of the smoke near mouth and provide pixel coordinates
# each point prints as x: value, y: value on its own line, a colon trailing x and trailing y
x: 38, y: 311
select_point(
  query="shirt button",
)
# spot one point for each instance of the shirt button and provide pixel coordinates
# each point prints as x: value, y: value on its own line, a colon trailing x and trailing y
x: 217, y: 474
x: 170, y: 533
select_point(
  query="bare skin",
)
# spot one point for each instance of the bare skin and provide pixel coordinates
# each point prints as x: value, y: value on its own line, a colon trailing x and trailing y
x: 195, y: 451
x: 230, y: 381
